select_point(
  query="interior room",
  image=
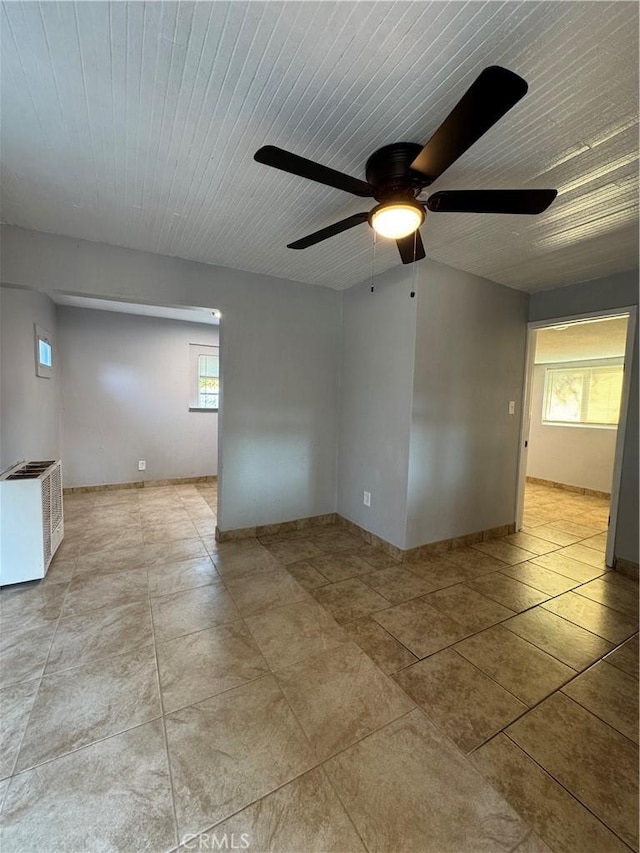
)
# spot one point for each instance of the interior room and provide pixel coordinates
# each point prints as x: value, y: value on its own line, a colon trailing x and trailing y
x: 319, y: 483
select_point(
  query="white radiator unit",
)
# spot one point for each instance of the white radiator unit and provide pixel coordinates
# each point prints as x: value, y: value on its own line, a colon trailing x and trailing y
x: 31, y: 520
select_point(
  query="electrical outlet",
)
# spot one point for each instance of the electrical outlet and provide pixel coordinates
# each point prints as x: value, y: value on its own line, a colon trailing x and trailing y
x: 366, y: 499
x: 142, y: 465
x: 512, y: 407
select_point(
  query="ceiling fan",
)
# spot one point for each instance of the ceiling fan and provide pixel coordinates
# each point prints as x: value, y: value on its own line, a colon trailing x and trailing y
x: 396, y: 174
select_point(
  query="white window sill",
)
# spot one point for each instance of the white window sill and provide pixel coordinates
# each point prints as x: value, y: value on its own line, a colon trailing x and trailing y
x: 198, y: 409
x: 579, y: 426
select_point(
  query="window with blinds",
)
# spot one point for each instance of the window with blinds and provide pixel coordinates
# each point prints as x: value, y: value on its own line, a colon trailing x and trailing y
x: 208, y: 381
x: 588, y: 396
x: 205, y: 371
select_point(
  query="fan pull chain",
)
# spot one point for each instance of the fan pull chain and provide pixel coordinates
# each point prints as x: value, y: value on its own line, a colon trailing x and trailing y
x: 373, y: 261
x: 415, y: 271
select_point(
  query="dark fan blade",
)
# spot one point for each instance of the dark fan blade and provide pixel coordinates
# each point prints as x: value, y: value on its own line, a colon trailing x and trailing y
x: 492, y: 95
x: 287, y: 162
x: 330, y: 231
x: 491, y: 201
x: 411, y: 248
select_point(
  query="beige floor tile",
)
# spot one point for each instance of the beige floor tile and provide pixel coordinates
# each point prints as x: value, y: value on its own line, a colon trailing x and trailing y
x: 15, y: 706
x: 23, y: 652
x: 559, y: 819
x: 228, y: 751
x: 257, y: 592
x: 295, y: 550
x: 610, y: 694
x: 474, y: 560
x: 582, y: 531
x: 554, y: 534
x: 620, y: 594
x: 529, y: 542
x: 340, y: 696
x: 169, y: 532
x: 294, y: 632
x: 625, y: 657
x: 110, y: 590
x: 152, y: 516
x: 467, y: 607
x: 397, y: 584
x: 507, y: 591
x: 31, y: 605
x: 186, y: 574
x: 112, y: 795
x: 94, y: 543
x: 532, y: 844
x: 597, y: 542
x: 349, y: 600
x: 462, y: 701
x: 192, y: 610
x: 205, y: 526
x: 340, y: 566
x: 438, y: 572
x: 590, y: 759
x: 501, y: 550
x: 420, y: 627
x: 407, y: 788
x: 89, y: 703
x: 243, y: 562
x: 305, y: 815
x: 585, y: 555
x: 383, y: 649
x: 544, y: 580
x: 307, y: 575
x: 595, y: 617
x: 376, y: 558
x: 520, y: 667
x: 172, y: 552
x: 60, y: 571
x: 569, y: 643
x: 334, y: 539
x: 200, y: 665
x: 110, y: 561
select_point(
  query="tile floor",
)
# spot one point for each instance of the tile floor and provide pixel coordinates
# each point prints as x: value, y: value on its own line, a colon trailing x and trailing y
x: 308, y: 693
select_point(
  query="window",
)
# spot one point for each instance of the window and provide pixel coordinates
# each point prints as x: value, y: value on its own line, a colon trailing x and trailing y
x: 44, y: 353
x: 578, y: 395
x: 205, y: 372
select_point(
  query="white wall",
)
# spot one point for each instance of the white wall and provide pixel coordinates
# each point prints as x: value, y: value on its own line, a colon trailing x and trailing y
x: 469, y: 363
x: 424, y: 424
x: 378, y: 346
x: 279, y: 349
x: 616, y: 291
x: 29, y: 404
x: 576, y: 456
x: 126, y: 388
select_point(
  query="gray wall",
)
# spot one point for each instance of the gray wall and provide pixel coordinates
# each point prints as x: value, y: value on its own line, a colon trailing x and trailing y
x: 126, y: 386
x: 279, y: 350
x: 469, y: 363
x: 578, y: 456
x: 29, y: 404
x: 616, y: 291
x: 376, y: 392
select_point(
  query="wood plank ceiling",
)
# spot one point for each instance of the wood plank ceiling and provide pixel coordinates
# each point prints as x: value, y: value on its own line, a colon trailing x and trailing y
x: 135, y: 124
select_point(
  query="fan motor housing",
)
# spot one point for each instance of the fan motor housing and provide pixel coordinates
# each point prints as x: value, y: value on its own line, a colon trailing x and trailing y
x: 389, y: 171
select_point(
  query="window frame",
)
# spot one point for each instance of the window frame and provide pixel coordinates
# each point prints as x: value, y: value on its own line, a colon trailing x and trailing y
x: 195, y: 352
x: 576, y: 366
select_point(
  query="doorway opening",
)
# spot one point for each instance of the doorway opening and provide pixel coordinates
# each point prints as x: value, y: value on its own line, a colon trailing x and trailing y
x: 140, y: 394
x: 574, y: 418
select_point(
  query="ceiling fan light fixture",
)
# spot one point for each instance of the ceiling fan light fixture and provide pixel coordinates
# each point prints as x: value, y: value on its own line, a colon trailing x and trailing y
x: 396, y: 219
